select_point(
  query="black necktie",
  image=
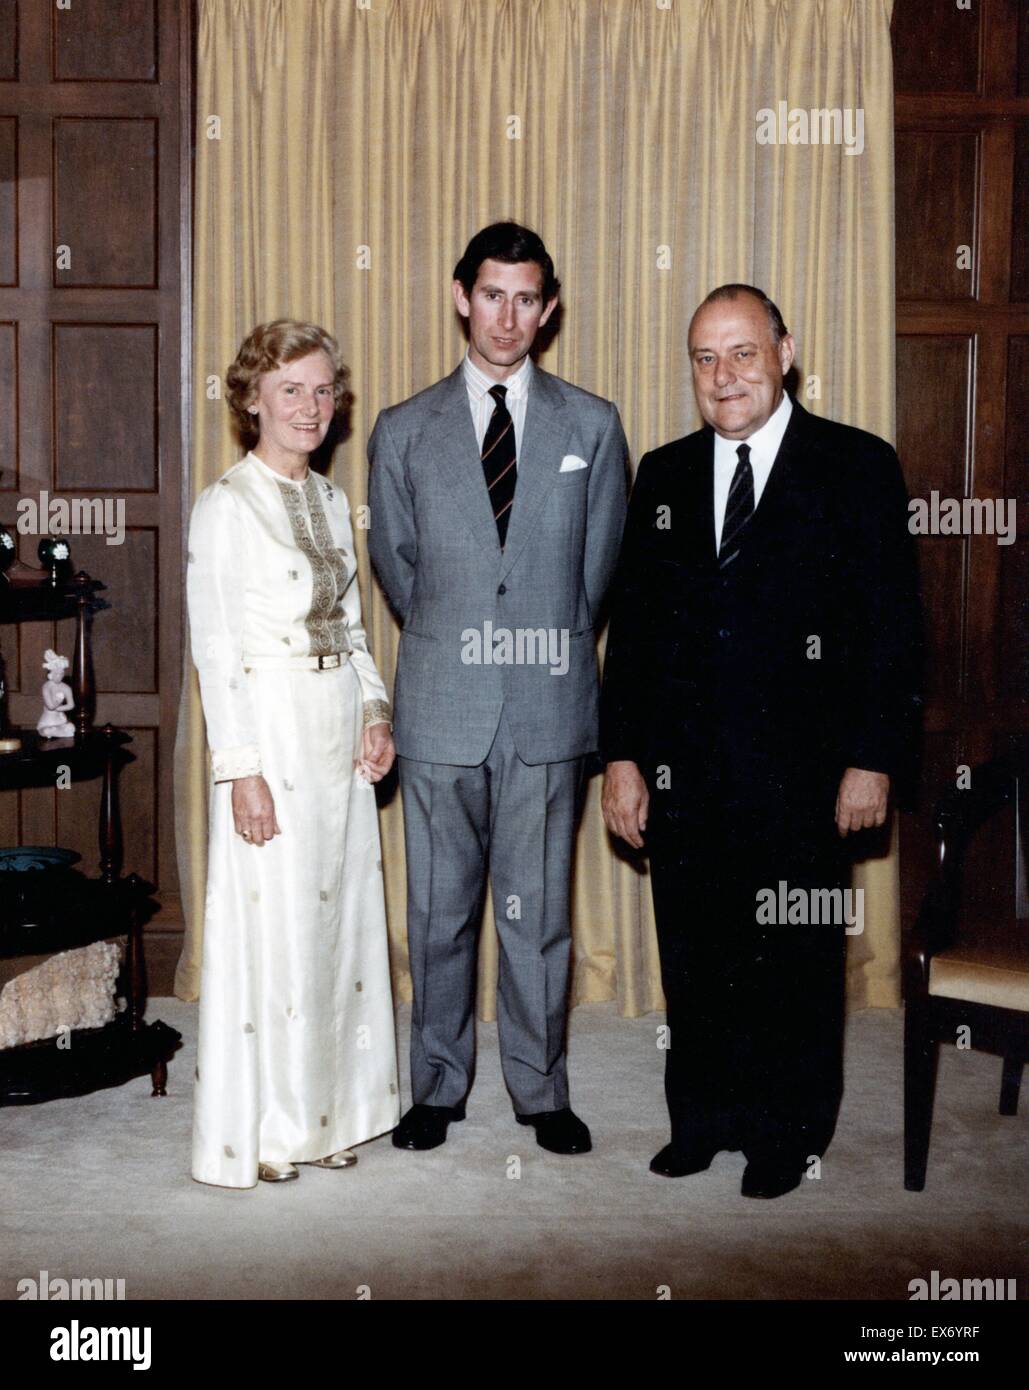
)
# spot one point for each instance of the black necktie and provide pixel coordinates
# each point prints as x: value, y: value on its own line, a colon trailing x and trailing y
x: 739, y: 506
x: 498, y: 461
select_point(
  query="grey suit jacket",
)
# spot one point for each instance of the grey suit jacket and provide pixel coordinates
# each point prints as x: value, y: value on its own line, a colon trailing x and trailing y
x: 485, y: 627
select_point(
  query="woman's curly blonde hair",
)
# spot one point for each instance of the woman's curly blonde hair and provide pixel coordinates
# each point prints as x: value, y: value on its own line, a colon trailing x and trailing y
x: 268, y: 347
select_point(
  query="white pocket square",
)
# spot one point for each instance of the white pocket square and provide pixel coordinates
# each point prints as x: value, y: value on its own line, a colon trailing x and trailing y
x: 571, y: 462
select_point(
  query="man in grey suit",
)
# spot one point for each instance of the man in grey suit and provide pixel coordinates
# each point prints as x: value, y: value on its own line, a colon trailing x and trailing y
x: 497, y: 503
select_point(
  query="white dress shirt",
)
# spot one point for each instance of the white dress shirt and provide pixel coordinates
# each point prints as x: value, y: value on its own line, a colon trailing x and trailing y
x: 483, y: 404
x: 764, y: 445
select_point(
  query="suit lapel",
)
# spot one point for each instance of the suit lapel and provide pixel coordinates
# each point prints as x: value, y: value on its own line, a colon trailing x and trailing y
x: 692, y: 518
x: 450, y: 437
x: 547, y: 426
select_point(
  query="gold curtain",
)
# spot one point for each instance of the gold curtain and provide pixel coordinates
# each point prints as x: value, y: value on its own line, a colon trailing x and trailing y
x: 346, y: 151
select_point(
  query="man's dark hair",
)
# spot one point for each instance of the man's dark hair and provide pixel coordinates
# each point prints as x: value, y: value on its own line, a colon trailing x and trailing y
x: 511, y: 243
x: 775, y: 319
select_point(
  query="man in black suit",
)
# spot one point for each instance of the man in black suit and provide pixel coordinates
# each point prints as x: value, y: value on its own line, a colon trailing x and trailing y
x: 759, y: 692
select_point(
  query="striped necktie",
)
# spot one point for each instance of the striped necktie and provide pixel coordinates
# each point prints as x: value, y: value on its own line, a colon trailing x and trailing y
x: 739, y: 506
x: 498, y: 461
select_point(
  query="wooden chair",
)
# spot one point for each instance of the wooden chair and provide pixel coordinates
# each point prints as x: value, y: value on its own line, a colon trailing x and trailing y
x: 965, y: 968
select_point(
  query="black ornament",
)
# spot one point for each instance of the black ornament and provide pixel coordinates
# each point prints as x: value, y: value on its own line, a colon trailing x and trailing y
x: 55, y: 555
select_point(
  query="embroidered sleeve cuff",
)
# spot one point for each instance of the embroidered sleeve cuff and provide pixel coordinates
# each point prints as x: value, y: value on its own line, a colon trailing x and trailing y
x: 230, y: 763
x: 377, y: 712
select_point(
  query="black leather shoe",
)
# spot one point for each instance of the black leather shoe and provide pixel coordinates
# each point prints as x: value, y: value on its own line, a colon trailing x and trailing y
x: 674, y: 1162
x: 559, y: 1131
x: 425, y: 1126
x: 770, y: 1177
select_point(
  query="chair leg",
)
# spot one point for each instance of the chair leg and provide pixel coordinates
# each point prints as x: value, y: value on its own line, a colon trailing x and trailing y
x: 1010, y: 1082
x: 159, y: 1076
x: 919, y: 1075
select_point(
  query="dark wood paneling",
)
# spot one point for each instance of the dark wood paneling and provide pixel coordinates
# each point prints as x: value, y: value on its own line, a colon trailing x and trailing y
x: 989, y: 877
x: 77, y: 806
x: 8, y: 201
x: 940, y: 757
x: 108, y: 218
x: 978, y: 689
x: 933, y: 395
x: 1020, y: 218
x: 936, y: 46
x: 936, y: 213
x: 103, y: 379
x: 10, y: 644
x: 105, y: 41
x: 1016, y: 463
x: 1013, y: 628
x: 124, y: 635
x: 8, y: 405
x: 8, y: 40
x: 9, y: 819
x: 105, y: 406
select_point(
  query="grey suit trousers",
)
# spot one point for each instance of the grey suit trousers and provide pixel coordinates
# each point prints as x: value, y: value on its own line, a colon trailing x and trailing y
x: 517, y: 822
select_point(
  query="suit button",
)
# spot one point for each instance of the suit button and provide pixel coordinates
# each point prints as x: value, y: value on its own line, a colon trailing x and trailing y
x: 502, y: 589
x: 723, y: 632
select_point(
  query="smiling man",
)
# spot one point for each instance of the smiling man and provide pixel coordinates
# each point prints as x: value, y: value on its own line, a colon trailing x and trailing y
x: 760, y: 697
x: 497, y: 503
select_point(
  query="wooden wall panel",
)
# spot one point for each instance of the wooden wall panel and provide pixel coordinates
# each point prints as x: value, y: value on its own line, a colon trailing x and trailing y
x: 8, y: 40
x: 8, y: 201
x: 96, y: 405
x: 1020, y: 218
x: 78, y: 804
x: 936, y: 212
x: 9, y: 819
x: 105, y: 406
x: 990, y: 870
x: 961, y: 75
x: 106, y: 41
x: 941, y: 753
x: 1013, y: 627
x: 8, y: 405
x: 934, y: 391
x: 125, y: 635
x: 105, y: 201
x: 11, y: 646
x: 936, y: 46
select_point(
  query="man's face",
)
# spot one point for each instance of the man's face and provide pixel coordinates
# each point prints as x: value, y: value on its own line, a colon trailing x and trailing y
x: 505, y: 311
x: 738, y: 368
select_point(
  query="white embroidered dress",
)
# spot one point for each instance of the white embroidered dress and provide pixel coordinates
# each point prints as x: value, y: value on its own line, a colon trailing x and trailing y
x: 297, y: 1052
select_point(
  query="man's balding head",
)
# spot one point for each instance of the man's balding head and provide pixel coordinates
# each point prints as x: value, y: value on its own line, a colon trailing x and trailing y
x: 740, y: 350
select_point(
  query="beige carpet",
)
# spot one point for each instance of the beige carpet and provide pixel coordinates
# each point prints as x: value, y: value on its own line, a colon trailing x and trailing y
x: 100, y: 1186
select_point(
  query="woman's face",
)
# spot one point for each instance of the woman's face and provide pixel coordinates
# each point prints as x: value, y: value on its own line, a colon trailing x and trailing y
x: 295, y: 404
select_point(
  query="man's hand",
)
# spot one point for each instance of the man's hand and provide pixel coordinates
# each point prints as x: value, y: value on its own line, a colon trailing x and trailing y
x: 253, y: 810
x: 377, y: 752
x: 625, y: 801
x: 861, y: 800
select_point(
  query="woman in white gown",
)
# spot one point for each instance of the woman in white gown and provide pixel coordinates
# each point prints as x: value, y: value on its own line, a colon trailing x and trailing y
x: 296, y: 1056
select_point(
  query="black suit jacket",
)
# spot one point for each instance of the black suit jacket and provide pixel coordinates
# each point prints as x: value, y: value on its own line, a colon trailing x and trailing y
x: 758, y: 683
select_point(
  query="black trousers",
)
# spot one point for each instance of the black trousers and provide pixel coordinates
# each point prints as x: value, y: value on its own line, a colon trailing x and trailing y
x: 755, y: 1010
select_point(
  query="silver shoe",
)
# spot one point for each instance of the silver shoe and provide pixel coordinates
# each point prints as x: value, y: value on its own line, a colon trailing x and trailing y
x: 277, y: 1172
x: 343, y: 1158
